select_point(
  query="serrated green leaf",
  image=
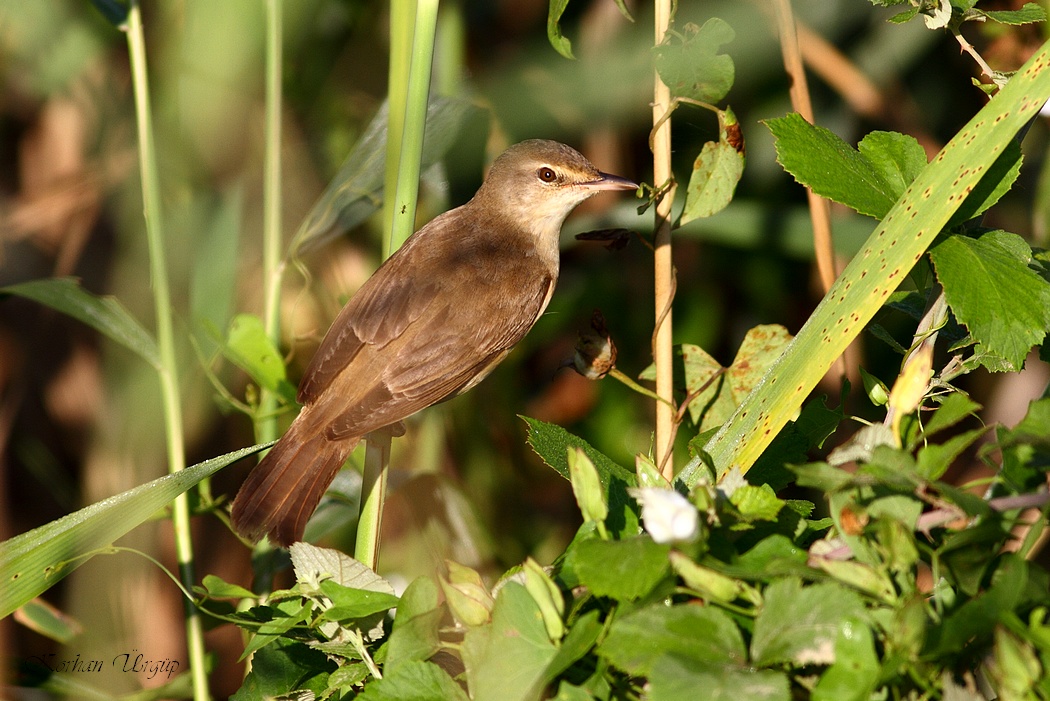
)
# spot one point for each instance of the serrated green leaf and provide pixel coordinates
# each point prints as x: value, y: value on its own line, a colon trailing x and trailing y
x: 820, y: 160
x: 104, y: 314
x: 313, y: 565
x: 274, y: 621
x: 416, y: 680
x: 800, y: 625
x: 349, y: 604
x: 699, y: 634
x: 1002, y: 302
x: 507, y: 659
x: 621, y: 569
x: 896, y: 157
x: 282, y: 667
x: 34, y: 561
x: 756, y: 502
x: 675, y: 678
x: 690, y: 65
x: 1030, y: 12
x: 552, y: 443
x: 712, y: 406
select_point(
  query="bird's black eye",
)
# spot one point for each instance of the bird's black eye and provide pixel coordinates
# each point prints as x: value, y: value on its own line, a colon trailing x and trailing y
x: 547, y: 175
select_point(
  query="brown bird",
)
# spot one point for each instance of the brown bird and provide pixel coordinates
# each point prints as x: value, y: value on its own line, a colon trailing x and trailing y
x: 429, y: 324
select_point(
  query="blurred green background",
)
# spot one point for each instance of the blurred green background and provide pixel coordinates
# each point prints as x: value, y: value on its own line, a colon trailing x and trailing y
x: 80, y: 418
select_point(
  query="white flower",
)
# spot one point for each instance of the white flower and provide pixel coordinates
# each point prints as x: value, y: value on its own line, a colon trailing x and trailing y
x: 668, y: 516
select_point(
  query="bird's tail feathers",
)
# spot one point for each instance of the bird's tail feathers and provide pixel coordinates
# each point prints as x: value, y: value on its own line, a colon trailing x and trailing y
x: 283, y: 490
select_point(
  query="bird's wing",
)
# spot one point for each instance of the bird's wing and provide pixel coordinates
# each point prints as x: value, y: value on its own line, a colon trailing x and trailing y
x: 376, y: 315
x: 441, y: 354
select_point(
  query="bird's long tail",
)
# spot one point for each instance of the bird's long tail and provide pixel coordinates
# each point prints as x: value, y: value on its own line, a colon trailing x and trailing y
x: 283, y: 490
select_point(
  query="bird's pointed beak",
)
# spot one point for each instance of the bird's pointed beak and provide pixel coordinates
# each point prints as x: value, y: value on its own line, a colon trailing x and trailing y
x: 606, y: 181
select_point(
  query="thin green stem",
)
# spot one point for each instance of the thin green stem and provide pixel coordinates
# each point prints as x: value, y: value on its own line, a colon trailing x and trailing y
x: 402, y: 31
x: 410, y: 156
x: 273, y: 265
x: 168, y: 373
x: 409, y: 92
x: 616, y: 374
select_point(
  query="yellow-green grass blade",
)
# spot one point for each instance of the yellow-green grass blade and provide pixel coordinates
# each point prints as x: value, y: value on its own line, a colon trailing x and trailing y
x: 892, y: 250
x: 34, y: 561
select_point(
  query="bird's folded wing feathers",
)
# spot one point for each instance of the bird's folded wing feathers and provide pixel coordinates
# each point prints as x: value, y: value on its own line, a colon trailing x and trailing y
x: 428, y: 368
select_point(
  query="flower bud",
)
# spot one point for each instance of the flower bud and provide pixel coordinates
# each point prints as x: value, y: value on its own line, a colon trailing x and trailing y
x: 595, y: 351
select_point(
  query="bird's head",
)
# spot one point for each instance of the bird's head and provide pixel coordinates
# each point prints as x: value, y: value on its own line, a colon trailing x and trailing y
x: 537, y: 183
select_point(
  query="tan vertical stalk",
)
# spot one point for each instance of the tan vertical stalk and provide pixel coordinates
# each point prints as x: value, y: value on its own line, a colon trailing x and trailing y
x: 663, y: 268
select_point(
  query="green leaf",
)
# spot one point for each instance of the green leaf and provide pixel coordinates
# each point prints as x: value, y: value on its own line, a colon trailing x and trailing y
x: 690, y: 65
x: 43, y: 618
x: 1026, y: 449
x: 1002, y: 302
x: 771, y: 556
x: 716, y: 172
x: 274, y: 621
x: 1029, y: 13
x: 314, y: 565
x: 507, y: 659
x: 907, y: 230
x: 576, y: 643
x: 761, y: 346
x: 677, y: 679
x: 283, y: 667
x: 934, y: 459
x: 552, y: 443
x: 954, y: 407
x: 855, y: 673
x: 898, y: 158
x: 415, y: 635
x: 249, y: 347
x: 902, y: 17
x: 800, y: 625
x: 415, y: 680
x: 349, y: 604
x: 558, y: 40
x: 621, y: 569
x: 699, y: 634
x: 756, y: 502
x: 104, y: 314
x: 34, y: 561
x: 712, y: 406
x: 217, y: 588
x: 978, y: 617
x: 709, y: 583
x: 820, y: 160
